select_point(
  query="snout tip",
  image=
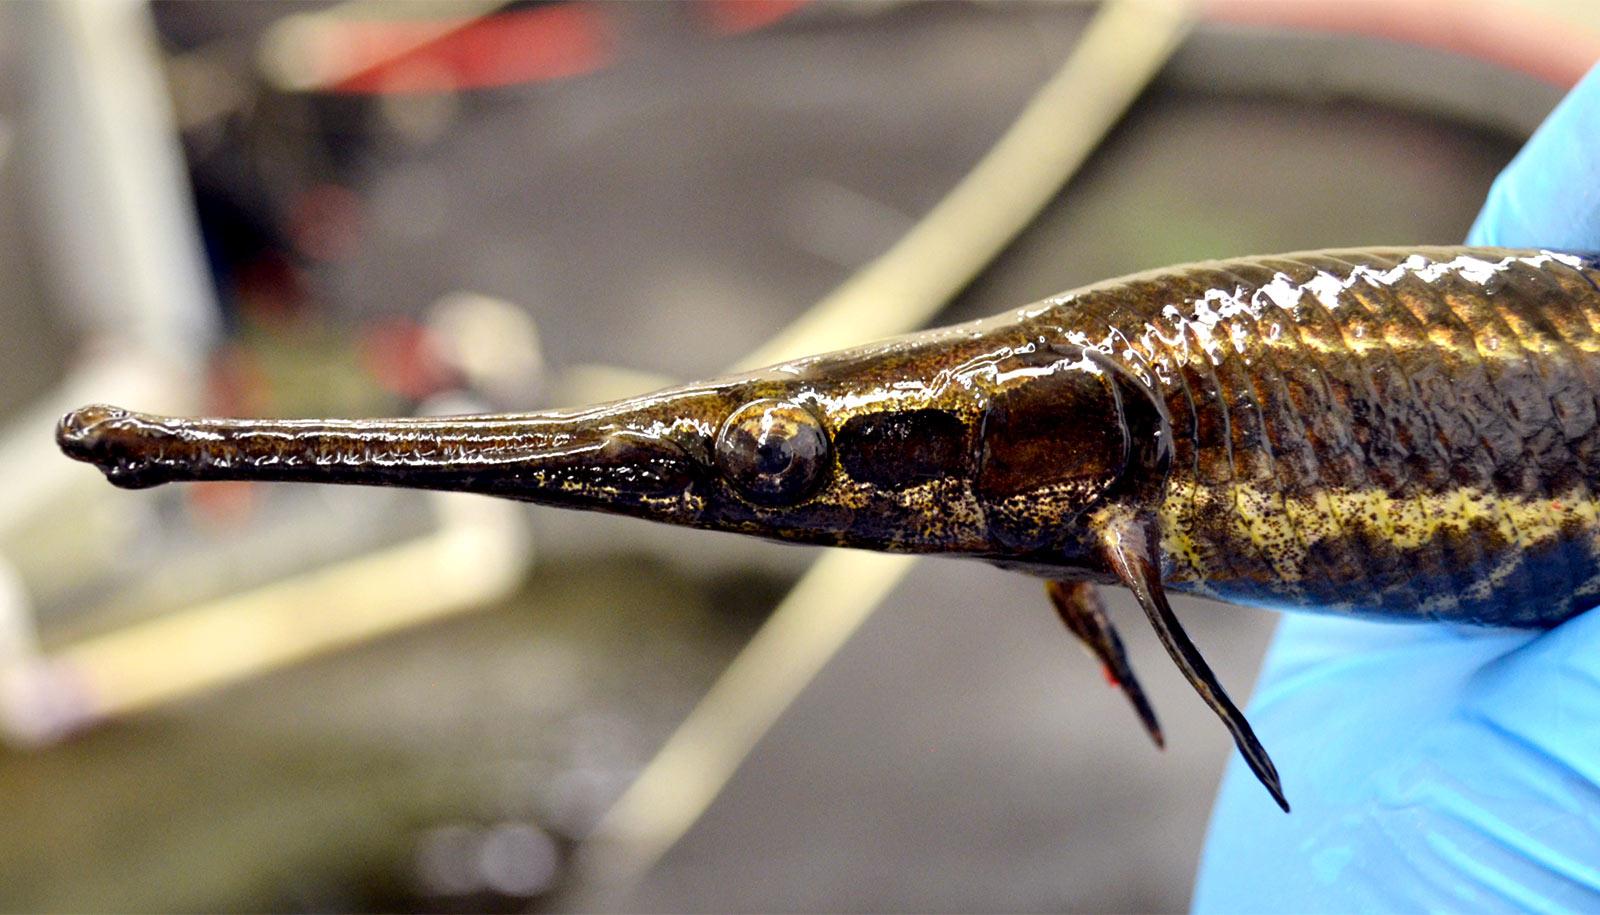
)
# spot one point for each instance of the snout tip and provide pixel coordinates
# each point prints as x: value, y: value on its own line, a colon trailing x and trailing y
x: 85, y: 431
x: 114, y: 440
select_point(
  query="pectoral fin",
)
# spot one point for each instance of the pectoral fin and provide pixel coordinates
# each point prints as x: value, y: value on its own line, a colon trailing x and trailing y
x: 1130, y: 547
x: 1085, y: 615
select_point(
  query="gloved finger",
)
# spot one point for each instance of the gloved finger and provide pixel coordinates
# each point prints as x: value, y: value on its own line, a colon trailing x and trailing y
x: 1549, y: 196
x: 1426, y: 768
x: 1546, y: 696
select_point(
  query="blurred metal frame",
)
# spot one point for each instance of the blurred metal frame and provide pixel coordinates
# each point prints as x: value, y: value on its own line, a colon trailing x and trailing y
x: 133, y: 272
x: 120, y: 223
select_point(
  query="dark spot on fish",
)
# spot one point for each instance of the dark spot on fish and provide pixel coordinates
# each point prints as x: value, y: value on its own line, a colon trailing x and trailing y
x: 902, y: 448
x: 1060, y: 428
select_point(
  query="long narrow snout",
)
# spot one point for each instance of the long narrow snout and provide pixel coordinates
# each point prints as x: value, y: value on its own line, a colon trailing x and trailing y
x: 594, y: 458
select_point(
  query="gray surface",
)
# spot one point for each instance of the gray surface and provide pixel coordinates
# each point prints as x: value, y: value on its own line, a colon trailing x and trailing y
x: 311, y: 789
x: 963, y: 754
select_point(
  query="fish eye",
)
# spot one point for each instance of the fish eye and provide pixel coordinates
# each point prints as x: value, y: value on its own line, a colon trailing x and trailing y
x: 773, y: 451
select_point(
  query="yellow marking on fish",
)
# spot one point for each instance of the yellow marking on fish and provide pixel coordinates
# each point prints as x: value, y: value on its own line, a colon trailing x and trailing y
x: 1264, y: 514
x: 1178, y: 545
x: 1282, y: 536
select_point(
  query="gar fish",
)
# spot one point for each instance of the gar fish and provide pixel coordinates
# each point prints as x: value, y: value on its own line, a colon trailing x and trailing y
x: 1400, y: 433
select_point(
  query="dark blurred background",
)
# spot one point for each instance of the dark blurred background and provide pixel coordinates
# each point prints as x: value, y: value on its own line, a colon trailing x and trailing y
x: 238, y: 698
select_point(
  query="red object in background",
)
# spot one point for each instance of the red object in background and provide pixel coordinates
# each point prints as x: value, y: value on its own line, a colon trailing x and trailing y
x: 236, y: 385
x: 503, y: 49
x: 268, y: 288
x: 325, y: 222
x: 735, y: 17
x: 401, y: 355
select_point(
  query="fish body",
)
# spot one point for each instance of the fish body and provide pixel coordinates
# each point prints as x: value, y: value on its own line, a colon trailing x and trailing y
x: 1404, y: 433
x: 1395, y: 433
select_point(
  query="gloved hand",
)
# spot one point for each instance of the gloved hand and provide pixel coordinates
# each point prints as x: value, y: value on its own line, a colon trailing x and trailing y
x: 1433, y: 767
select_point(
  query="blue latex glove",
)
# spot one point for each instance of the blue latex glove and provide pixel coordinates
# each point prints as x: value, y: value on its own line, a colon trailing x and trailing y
x: 1433, y: 767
